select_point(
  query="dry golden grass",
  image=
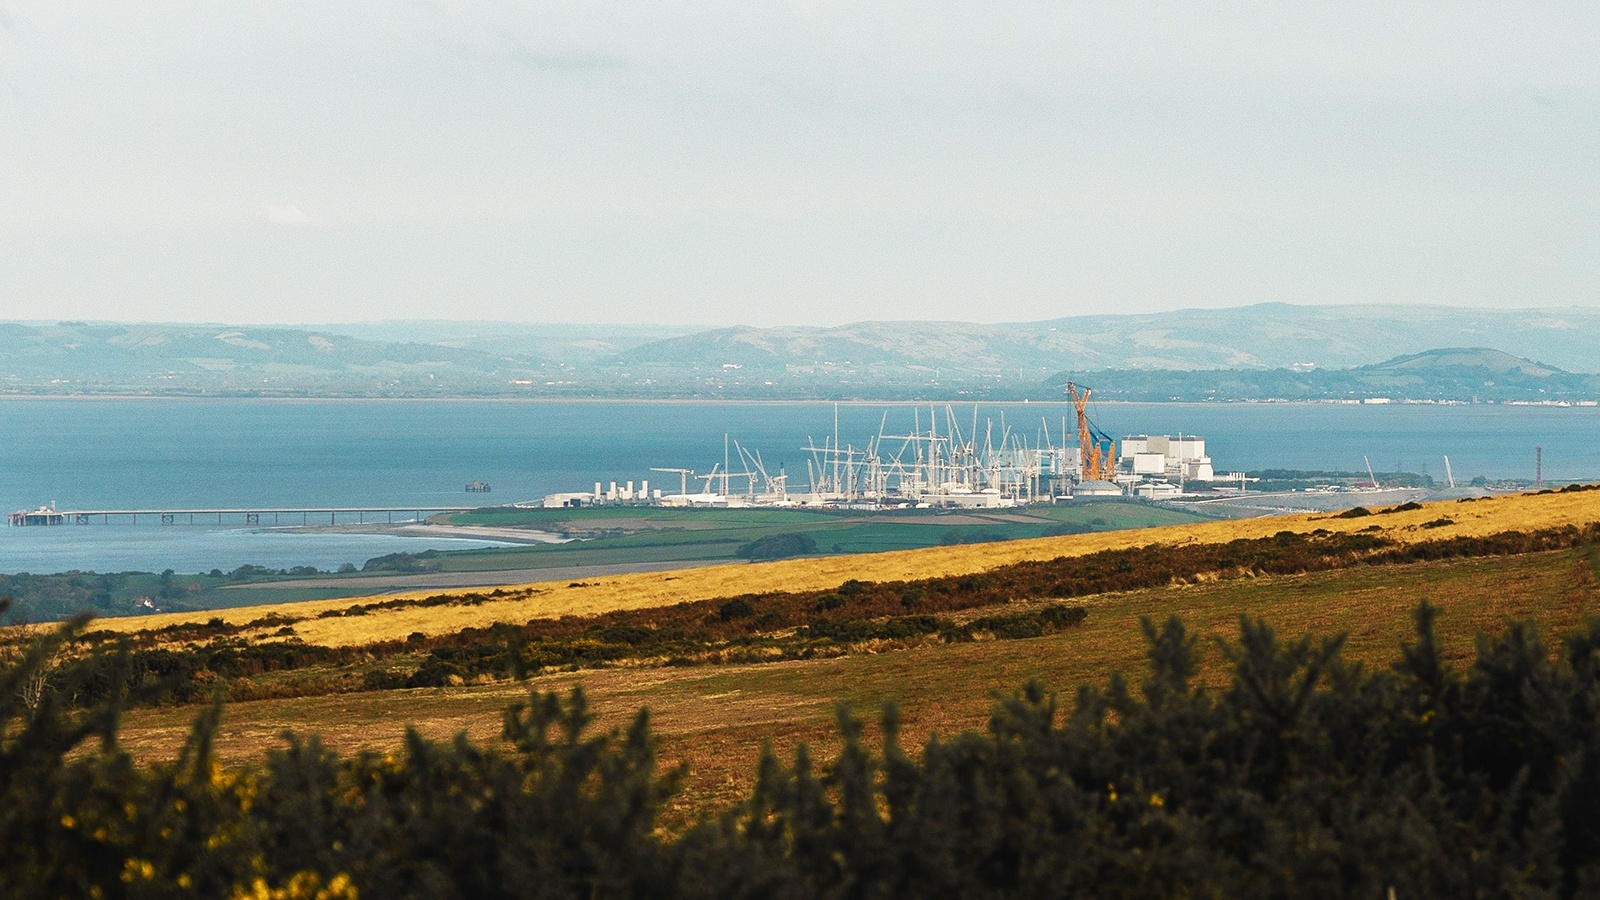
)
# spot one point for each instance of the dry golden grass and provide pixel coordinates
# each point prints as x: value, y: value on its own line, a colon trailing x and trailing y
x: 717, y: 717
x: 1520, y: 512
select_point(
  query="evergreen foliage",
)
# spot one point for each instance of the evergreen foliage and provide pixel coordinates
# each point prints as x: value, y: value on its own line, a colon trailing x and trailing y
x: 1303, y: 775
x: 777, y: 546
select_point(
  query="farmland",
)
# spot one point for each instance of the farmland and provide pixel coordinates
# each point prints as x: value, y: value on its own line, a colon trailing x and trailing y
x: 717, y: 715
x: 594, y: 542
x: 609, y: 537
x: 318, y: 622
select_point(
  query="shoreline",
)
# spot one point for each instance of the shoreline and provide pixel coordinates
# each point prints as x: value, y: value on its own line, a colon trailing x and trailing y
x: 383, y: 584
x: 507, y: 536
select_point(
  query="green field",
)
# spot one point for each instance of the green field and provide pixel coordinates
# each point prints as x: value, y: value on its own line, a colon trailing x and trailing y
x: 650, y: 534
x: 606, y: 538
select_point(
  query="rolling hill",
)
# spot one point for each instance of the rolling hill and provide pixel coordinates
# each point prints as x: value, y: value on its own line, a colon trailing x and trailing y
x: 1256, y: 352
x: 1454, y: 374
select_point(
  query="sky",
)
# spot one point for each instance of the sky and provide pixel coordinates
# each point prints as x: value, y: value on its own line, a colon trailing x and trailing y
x: 716, y: 163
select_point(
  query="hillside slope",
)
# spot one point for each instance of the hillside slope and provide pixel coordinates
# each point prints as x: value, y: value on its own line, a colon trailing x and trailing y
x: 1267, y: 335
x: 1255, y: 352
x: 113, y: 357
x: 1522, y: 512
x: 1456, y: 373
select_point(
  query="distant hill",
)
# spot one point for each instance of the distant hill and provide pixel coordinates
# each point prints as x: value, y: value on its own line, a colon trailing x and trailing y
x: 1268, y: 335
x: 1460, y: 374
x: 550, y: 343
x: 178, y: 359
x: 1254, y: 352
x: 1475, y: 359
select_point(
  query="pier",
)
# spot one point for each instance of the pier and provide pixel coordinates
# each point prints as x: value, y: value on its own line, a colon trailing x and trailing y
x: 242, y: 516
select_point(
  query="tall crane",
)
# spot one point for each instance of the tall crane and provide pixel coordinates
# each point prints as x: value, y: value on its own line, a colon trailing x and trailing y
x: 1098, y: 450
x: 683, y: 477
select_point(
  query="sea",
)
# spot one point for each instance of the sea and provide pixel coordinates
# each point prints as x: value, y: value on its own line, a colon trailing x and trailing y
x: 160, y: 453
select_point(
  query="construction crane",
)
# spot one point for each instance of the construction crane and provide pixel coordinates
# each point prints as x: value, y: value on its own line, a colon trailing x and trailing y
x: 683, y: 477
x: 1098, y: 450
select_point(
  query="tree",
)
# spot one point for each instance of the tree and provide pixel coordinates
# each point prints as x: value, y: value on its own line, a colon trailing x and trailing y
x: 33, y: 677
x: 777, y: 546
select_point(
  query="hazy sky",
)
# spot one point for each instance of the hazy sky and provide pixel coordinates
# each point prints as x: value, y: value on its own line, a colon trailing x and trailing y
x: 803, y: 162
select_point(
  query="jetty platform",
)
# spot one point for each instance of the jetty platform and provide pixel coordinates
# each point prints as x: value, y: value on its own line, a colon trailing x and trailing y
x: 360, y: 515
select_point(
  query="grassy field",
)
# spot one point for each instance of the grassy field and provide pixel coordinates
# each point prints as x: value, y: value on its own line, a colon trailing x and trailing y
x: 718, y: 717
x: 612, y: 540
x: 553, y: 599
x: 648, y: 534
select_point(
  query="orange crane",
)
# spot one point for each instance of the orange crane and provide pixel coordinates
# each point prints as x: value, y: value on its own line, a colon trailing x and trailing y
x: 1098, y: 450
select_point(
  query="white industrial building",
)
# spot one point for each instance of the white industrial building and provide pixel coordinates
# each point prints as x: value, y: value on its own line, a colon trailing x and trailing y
x: 1182, y: 458
x: 1097, y: 489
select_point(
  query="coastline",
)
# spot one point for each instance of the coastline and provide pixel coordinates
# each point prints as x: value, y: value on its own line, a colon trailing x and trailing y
x: 430, y: 530
x: 384, y: 584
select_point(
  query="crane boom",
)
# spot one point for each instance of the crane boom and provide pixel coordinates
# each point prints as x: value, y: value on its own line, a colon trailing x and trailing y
x: 683, y: 477
x: 1099, y: 452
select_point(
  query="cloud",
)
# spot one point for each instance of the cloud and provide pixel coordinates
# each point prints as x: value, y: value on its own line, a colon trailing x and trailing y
x: 285, y: 213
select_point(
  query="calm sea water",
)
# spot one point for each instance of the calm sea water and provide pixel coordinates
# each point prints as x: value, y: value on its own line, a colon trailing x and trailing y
x: 240, y: 453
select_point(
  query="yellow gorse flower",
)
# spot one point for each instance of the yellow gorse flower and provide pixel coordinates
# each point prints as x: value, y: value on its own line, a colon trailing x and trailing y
x: 300, y: 886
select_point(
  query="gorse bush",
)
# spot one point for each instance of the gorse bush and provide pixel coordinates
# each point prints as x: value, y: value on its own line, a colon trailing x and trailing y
x: 1303, y: 775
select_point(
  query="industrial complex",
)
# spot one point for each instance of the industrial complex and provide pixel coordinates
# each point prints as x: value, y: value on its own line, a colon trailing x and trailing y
x: 951, y: 464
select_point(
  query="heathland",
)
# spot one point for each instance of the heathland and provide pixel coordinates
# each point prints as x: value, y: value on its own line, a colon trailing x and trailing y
x: 1433, y: 731
x: 731, y: 656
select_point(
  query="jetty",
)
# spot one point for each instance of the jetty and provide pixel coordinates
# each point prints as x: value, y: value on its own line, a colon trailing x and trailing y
x: 357, y: 515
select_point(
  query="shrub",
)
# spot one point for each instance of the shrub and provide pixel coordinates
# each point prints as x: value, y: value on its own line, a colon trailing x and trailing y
x: 1408, y: 506
x: 1297, y: 774
x: 777, y: 546
x: 406, y: 563
x: 436, y: 672
x: 959, y: 536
